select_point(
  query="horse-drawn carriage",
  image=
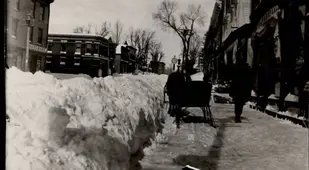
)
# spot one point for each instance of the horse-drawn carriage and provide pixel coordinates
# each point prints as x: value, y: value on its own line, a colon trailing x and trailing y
x: 184, y: 94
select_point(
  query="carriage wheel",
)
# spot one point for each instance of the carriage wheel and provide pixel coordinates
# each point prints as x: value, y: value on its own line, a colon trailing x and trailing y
x: 205, y: 114
x: 176, y: 112
x: 211, y: 120
x: 208, y: 116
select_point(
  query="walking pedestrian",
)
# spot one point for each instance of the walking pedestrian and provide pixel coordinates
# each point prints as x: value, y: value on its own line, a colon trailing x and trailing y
x: 241, y: 86
x: 207, y: 76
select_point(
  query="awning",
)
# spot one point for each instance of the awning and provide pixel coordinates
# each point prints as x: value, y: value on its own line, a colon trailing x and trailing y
x: 266, y: 5
x: 242, y: 32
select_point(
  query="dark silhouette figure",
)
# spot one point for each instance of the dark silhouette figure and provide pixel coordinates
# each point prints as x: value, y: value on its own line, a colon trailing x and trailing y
x: 174, y: 84
x: 207, y: 76
x: 6, y: 63
x: 241, y: 86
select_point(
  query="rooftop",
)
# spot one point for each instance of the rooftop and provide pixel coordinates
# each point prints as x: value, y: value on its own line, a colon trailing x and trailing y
x: 74, y: 35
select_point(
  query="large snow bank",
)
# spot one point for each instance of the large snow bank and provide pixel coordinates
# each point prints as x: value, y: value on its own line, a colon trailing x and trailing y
x: 62, y: 76
x: 80, y: 123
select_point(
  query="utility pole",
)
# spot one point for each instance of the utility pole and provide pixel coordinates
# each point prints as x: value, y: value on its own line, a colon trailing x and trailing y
x: 108, y: 61
x: 28, y: 23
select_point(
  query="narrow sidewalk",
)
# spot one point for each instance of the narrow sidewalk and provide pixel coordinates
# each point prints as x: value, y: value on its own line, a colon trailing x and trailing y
x: 260, y: 142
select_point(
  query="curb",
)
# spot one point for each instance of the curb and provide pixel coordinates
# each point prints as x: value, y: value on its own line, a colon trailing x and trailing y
x: 303, y: 122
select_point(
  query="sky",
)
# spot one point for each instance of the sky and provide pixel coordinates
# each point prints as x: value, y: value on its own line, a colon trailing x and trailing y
x: 67, y: 14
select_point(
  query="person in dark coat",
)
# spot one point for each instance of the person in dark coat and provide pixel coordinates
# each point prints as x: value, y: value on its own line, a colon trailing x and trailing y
x: 241, y: 86
x: 174, y: 86
x: 207, y: 76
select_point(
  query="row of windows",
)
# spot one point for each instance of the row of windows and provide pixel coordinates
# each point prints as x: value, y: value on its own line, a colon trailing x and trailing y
x: 42, y: 9
x: 78, y: 48
x: 15, y: 31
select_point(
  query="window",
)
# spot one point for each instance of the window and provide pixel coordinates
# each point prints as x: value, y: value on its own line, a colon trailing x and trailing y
x: 33, y: 10
x: 17, y: 5
x: 94, y: 49
x: 88, y: 48
x: 40, y: 36
x: 78, y: 48
x: 63, y: 47
x: 31, y: 34
x: 42, y: 12
x: 14, y: 27
x: 49, y: 47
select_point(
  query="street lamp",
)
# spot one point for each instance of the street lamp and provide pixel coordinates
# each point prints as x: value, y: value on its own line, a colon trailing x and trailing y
x: 28, y: 23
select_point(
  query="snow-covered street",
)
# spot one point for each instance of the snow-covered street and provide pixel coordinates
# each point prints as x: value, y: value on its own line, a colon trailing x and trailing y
x: 108, y: 123
x: 260, y: 142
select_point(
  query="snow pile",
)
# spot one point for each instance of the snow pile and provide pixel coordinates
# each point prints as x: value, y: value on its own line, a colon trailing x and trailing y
x: 253, y: 94
x: 160, y: 139
x: 62, y: 76
x: 80, y: 123
x: 271, y: 108
x: 291, y: 98
x: 198, y: 76
x: 285, y: 113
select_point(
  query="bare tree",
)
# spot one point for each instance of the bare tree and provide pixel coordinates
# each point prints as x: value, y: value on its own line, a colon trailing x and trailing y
x: 104, y: 30
x: 142, y: 40
x: 88, y: 29
x: 156, y: 51
x: 79, y: 29
x: 83, y: 29
x: 117, y: 31
x: 195, y: 47
x: 184, y: 26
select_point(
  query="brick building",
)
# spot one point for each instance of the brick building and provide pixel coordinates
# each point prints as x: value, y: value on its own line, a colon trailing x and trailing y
x: 157, y: 67
x: 80, y: 53
x: 125, y: 61
x: 37, y: 13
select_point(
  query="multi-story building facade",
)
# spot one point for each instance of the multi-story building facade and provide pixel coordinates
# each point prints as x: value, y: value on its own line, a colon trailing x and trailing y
x: 213, y: 40
x: 89, y: 54
x: 24, y: 16
x: 80, y: 53
x: 272, y: 36
x: 230, y: 18
x: 236, y: 14
x: 280, y: 47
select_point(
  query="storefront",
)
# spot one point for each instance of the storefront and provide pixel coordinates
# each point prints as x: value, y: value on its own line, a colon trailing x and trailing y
x: 17, y: 58
x: 264, y: 59
x: 279, y: 48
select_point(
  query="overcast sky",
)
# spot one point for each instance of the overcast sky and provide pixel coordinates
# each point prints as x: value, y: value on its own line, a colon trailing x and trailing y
x: 67, y: 14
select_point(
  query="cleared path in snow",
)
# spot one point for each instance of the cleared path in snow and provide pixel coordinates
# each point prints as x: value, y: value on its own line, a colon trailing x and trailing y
x: 260, y: 142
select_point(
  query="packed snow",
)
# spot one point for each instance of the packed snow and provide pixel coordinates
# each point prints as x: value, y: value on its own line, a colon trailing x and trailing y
x: 198, y: 76
x: 285, y: 113
x: 253, y: 94
x: 80, y: 123
x: 259, y: 142
x: 62, y: 76
x: 291, y: 98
